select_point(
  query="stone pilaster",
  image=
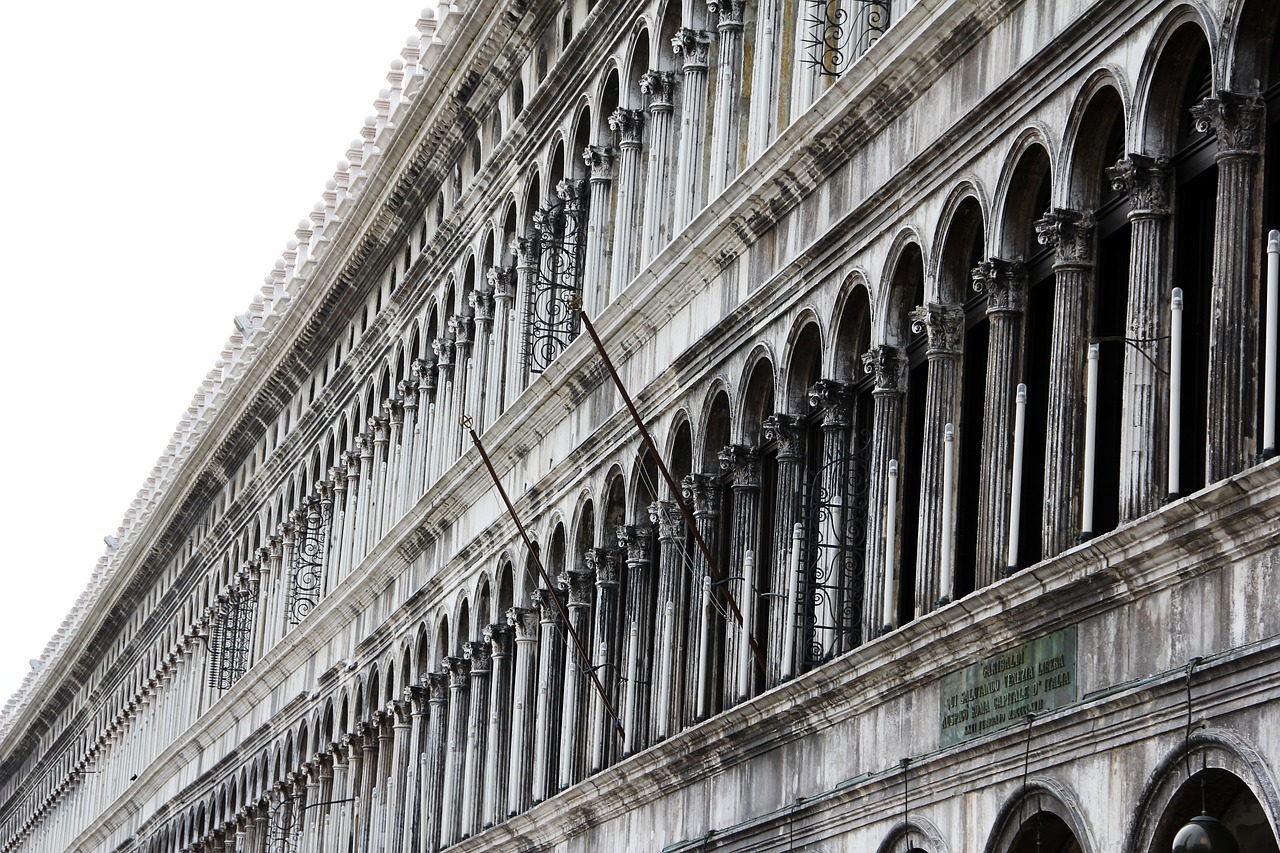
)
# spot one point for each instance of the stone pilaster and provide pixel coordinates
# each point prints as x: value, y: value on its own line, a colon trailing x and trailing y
x: 658, y: 87
x: 725, y: 116
x: 1005, y: 283
x: 694, y: 47
x: 889, y: 364
x: 1070, y: 233
x: 627, y: 126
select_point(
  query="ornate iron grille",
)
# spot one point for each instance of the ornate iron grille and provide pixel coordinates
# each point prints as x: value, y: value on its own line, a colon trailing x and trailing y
x: 230, y: 638
x: 834, y: 567
x: 306, y: 575
x: 284, y: 825
x: 559, y: 241
x: 839, y: 31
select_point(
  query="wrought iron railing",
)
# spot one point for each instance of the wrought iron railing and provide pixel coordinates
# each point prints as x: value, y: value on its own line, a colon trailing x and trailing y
x: 231, y: 636
x: 306, y: 574
x: 836, y: 32
x: 559, y: 244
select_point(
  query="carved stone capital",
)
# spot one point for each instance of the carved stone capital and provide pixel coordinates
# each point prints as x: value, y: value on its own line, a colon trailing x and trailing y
x: 527, y: 252
x: 425, y: 370
x: 481, y: 302
x: 437, y: 687
x: 502, y: 282
x: 944, y: 325
x: 603, y: 563
x: 460, y: 327
x: 835, y: 400
x: 477, y: 655
x: 1235, y: 119
x: 730, y: 13
x: 581, y: 586
x: 545, y: 601
x: 788, y: 432
x: 1069, y: 233
x: 666, y: 516
x: 525, y: 622
x: 599, y: 162
x: 408, y: 390
x: 889, y: 364
x: 395, y: 411
x: 443, y: 349
x: 499, y: 636
x: 1145, y: 180
x: 1004, y: 282
x: 380, y: 427
x: 627, y: 124
x: 420, y: 696
x: 694, y: 46
x: 659, y: 88
x: 742, y: 464
x: 633, y: 539
x: 704, y: 492
x: 459, y: 672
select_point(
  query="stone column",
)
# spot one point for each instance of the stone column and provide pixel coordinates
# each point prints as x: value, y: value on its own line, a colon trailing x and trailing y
x: 637, y: 637
x: 350, y: 459
x: 602, y: 738
x: 425, y: 371
x: 529, y: 256
x: 1005, y: 283
x: 525, y: 621
x: 725, y: 118
x: 391, y: 504
x: 478, y: 655
x: 460, y: 327
x: 627, y: 125
x: 436, y: 759
x: 764, y: 78
x: 694, y: 46
x: 789, y: 433
x: 419, y: 698
x: 497, y: 757
x: 702, y: 493
x: 399, y: 791
x: 409, y: 447
x: 445, y: 421
x: 1144, y: 424
x: 370, y: 784
x: 577, y: 683
x: 1070, y: 234
x: 502, y: 284
x: 459, y: 672
x: 743, y: 467
x: 944, y: 325
x: 889, y: 364
x: 657, y: 86
x: 595, y: 286
x: 478, y: 388
x: 1237, y: 121
x: 364, y: 520
x: 380, y: 427
x: 831, y: 636
x: 550, y: 668
x: 667, y: 633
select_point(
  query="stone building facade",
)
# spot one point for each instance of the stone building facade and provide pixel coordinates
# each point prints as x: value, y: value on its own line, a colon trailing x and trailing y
x: 947, y: 321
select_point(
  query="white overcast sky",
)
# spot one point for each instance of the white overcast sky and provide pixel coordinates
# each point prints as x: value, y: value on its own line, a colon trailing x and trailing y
x: 156, y: 157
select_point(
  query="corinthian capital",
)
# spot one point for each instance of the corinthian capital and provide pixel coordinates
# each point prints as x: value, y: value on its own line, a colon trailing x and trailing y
x: 604, y: 565
x: 944, y: 325
x: 599, y: 160
x: 501, y: 282
x: 889, y: 364
x: 658, y: 87
x: 634, y: 540
x: 788, y: 432
x: 742, y: 464
x: 835, y: 401
x: 482, y: 304
x: 1004, y: 282
x: 666, y: 516
x: 704, y: 492
x: 545, y: 602
x: 499, y: 636
x: 438, y: 686
x: 581, y: 584
x: 1069, y: 233
x: 1235, y: 119
x: 525, y: 621
x: 729, y: 11
x: 693, y: 45
x: 627, y: 124
x: 1145, y: 180
x: 477, y: 655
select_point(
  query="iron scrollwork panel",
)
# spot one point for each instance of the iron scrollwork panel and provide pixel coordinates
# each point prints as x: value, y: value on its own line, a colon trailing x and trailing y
x: 560, y: 244
x: 284, y: 825
x: 306, y: 577
x: 230, y: 638
x: 833, y: 571
x: 839, y: 31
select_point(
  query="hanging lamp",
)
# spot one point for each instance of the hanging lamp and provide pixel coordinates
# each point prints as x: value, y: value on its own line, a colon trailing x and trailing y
x: 1203, y: 833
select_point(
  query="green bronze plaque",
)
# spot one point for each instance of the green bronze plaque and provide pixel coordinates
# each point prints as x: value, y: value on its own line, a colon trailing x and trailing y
x: 1000, y: 691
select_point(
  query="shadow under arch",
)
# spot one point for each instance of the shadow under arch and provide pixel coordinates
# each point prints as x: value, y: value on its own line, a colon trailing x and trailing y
x: 1041, y: 802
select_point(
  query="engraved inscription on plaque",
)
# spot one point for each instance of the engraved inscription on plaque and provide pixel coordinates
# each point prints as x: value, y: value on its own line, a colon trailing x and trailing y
x: 1000, y: 691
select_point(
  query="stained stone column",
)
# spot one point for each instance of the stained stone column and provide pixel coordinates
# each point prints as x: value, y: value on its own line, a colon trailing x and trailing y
x: 335, y: 834
x: 1070, y: 234
x: 350, y: 460
x: 335, y: 546
x: 627, y: 126
x: 668, y: 648
x: 595, y: 287
x: 409, y: 443
x: 502, y: 284
x: 446, y: 419
x: 1237, y: 121
x: 380, y: 427
x: 835, y: 401
x: 459, y: 672
x: 637, y: 637
x: 437, y: 758
x: 481, y: 382
x: 602, y: 739
x: 1144, y: 425
x: 694, y: 46
x: 577, y: 684
x: 478, y: 656
x: 525, y: 621
x: 364, y: 524
x: 725, y: 118
x: 425, y: 371
x: 742, y: 464
x: 1005, y: 283
x: 657, y: 86
x: 765, y: 75
x: 702, y: 493
x: 497, y: 756
x: 546, y: 738
x: 460, y: 327
x: 392, y: 505
x: 788, y: 433
x: 518, y: 377
x: 889, y: 364
x: 399, y: 798
x: 420, y: 698
x: 944, y: 325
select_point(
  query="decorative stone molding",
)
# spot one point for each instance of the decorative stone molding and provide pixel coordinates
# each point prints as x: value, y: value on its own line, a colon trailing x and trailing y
x: 704, y: 493
x: 599, y: 162
x: 478, y: 655
x: 581, y: 585
x: 525, y: 622
x: 499, y: 636
x: 788, y: 432
x: 604, y: 564
x: 666, y: 516
x: 835, y: 401
x: 459, y: 672
x: 544, y: 600
x: 729, y: 13
x: 634, y: 540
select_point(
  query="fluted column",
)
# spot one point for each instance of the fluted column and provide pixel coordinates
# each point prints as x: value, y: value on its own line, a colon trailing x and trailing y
x: 436, y: 759
x: 445, y: 421
x: 391, y: 506
x: 637, y: 637
x: 787, y: 432
x: 500, y: 638
x: 420, y: 702
x: 627, y: 126
x: 667, y: 633
x: 576, y: 679
x: 658, y: 87
x: 1005, y: 283
x: 479, y: 388
x: 546, y: 737
x: 478, y: 655
x: 459, y: 672
x: 694, y: 46
x: 1143, y: 442
x: 595, y: 286
x: 742, y: 464
x: 381, y: 428
x: 350, y: 460
x: 602, y: 739
x: 502, y: 286
x: 406, y: 451
x: 367, y: 502
x: 399, y: 789
x: 528, y: 251
x: 1237, y: 121
x: 1070, y: 234
x: 830, y: 632
x: 944, y: 325
x: 425, y: 371
x: 525, y: 621
x: 725, y: 121
x: 889, y: 364
x: 460, y: 327
x: 765, y: 75
x: 702, y: 493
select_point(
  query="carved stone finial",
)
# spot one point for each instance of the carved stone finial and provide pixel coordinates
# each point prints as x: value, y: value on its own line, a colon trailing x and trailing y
x: 1235, y: 119
x: 1004, y: 282
x: 742, y: 463
x: 788, y: 433
x: 627, y: 124
x: 944, y: 325
x: 1145, y: 180
x: 658, y: 86
x: 1069, y: 233
x: 889, y: 364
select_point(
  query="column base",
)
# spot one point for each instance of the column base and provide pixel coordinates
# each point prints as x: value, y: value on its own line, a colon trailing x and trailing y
x: 943, y: 602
